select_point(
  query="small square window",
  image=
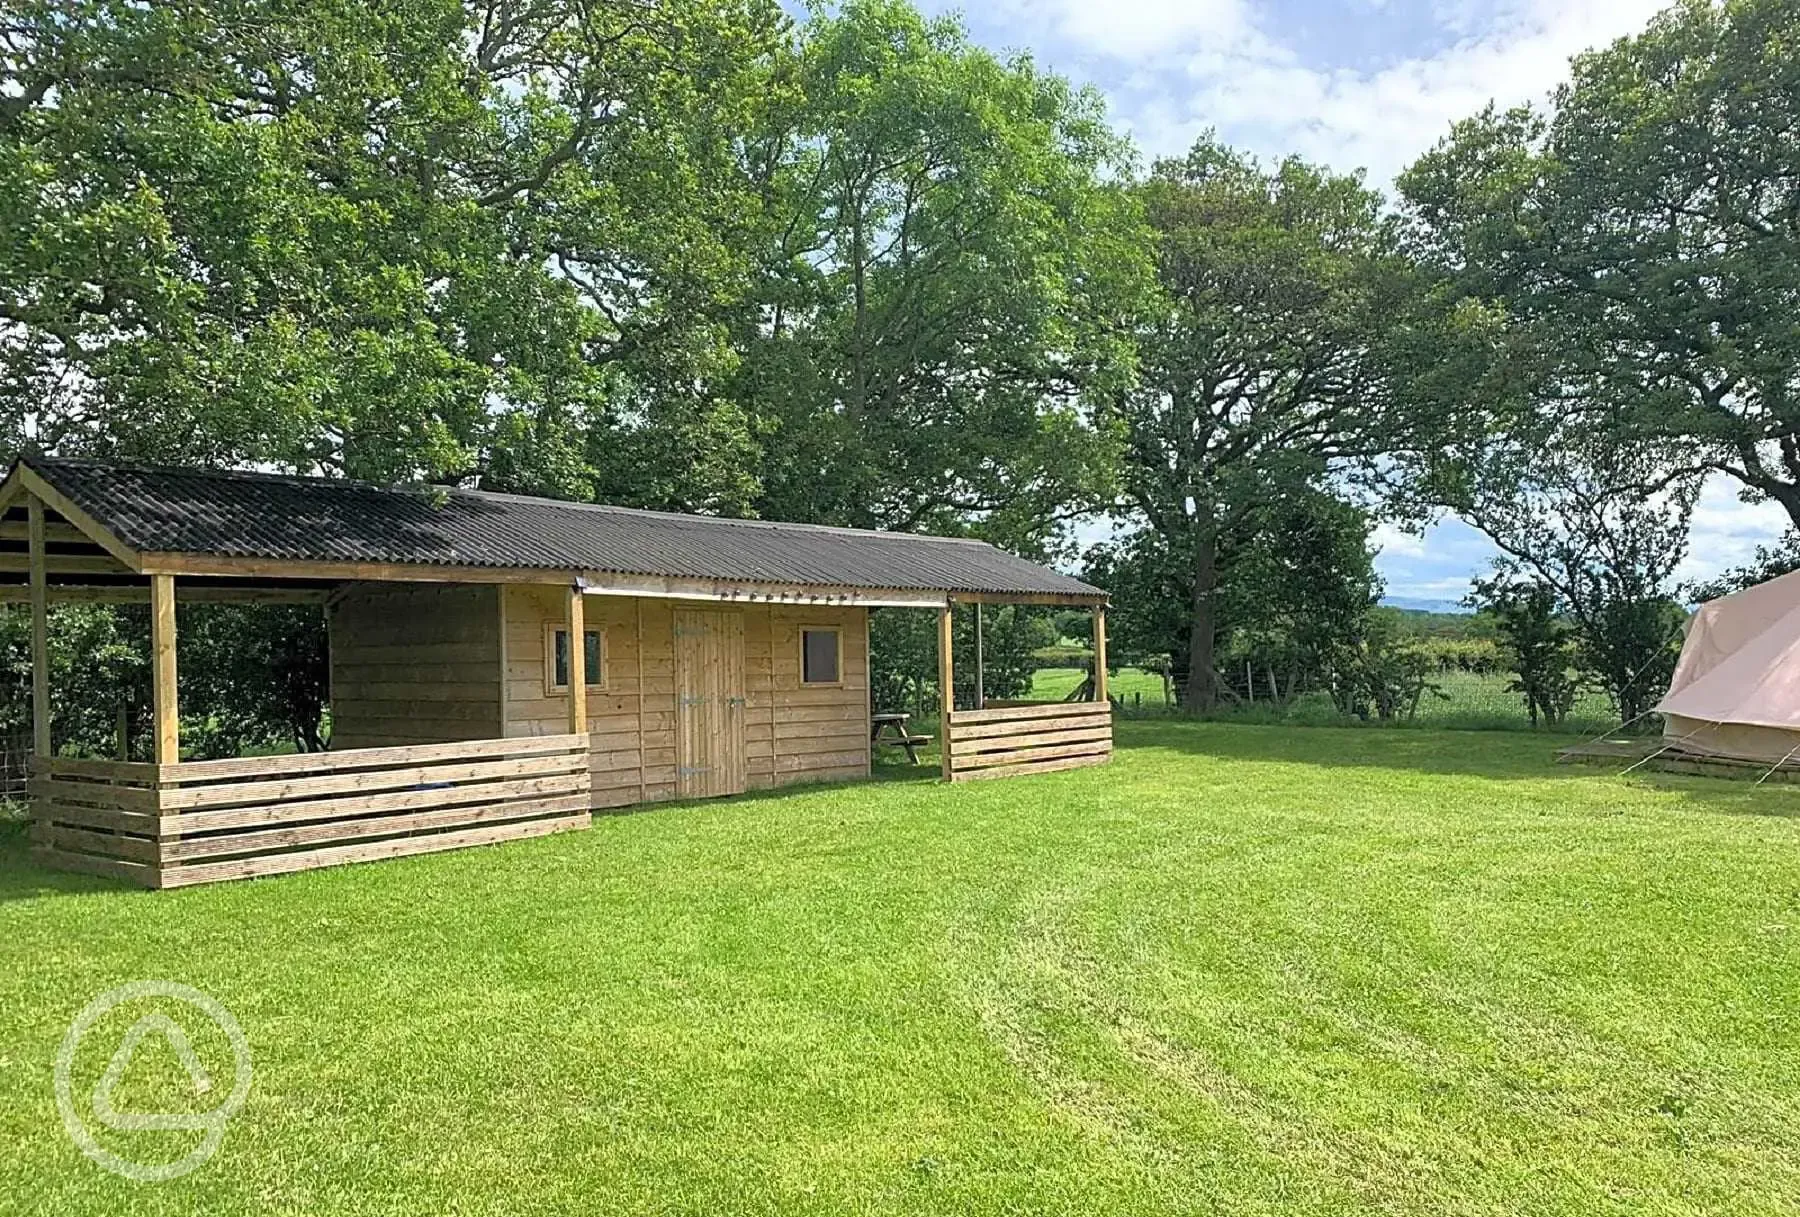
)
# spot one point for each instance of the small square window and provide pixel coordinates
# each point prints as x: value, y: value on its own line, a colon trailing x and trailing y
x: 821, y: 659
x: 557, y: 660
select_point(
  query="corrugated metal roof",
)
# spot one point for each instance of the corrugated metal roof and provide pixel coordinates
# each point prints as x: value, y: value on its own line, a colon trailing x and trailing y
x: 256, y: 515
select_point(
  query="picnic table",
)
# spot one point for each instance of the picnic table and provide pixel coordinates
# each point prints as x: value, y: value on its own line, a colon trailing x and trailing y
x: 900, y: 735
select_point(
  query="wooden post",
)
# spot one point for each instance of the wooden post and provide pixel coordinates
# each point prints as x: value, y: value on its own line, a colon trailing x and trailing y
x: 946, y: 685
x: 577, y: 663
x: 41, y: 745
x: 643, y: 691
x: 1099, y: 654
x: 165, y: 710
x: 980, y: 674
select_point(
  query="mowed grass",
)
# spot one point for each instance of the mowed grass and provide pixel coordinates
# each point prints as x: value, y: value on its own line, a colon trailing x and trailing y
x: 1241, y: 970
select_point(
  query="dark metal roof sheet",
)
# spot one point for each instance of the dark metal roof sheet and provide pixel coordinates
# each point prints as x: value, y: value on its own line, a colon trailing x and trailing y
x: 257, y: 515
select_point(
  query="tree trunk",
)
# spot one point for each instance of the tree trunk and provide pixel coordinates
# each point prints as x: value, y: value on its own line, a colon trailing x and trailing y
x: 1202, y: 692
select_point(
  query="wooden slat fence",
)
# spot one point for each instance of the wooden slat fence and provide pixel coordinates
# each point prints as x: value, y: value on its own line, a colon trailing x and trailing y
x: 203, y: 821
x: 1037, y: 738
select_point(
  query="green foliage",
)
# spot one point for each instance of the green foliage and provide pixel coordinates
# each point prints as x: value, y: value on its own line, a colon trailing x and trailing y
x: 1376, y: 674
x: 1294, y: 580
x: 1630, y: 257
x: 99, y: 669
x: 904, y: 658
x: 251, y: 677
x: 380, y: 239
x: 260, y: 673
x: 1259, y: 381
x: 949, y: 267
x: 1539, y: 646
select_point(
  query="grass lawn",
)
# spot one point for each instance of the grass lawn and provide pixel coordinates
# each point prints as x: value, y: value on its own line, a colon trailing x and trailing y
x: 1241, y: 970
x: 1463, y: 701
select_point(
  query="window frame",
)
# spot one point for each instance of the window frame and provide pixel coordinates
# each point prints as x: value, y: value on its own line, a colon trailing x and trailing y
x: 551, y: 630
x: 800, y: 638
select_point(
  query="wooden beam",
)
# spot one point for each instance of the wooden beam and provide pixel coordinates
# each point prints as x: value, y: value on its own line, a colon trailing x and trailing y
x: 980, y: 663
x: 661, y: 587
x: 1062, y: 599
x: 164, y: 706
x: 124, y: 593
x: 946, y: 684
x: 577, y: 663
x: 1099, y: 653
x: 64, y: 564
x: 90, y: 527
x: 40, y: 634
x: 13, y: 530
x: 372, y: 572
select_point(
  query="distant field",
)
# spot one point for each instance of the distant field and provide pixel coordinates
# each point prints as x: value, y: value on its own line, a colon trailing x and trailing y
x: 1467, y: 701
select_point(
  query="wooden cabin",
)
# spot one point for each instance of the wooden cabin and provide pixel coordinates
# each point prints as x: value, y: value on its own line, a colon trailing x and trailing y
x: 500, y: 666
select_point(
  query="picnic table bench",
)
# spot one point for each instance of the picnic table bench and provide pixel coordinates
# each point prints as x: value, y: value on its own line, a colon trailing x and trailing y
x: 898, y: 735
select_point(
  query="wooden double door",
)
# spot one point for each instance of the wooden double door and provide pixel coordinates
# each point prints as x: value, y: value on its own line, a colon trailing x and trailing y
x: 710, y: 702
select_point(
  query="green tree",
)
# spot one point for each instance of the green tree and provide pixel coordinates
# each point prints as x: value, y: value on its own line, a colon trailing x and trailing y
x: 1574, y: 515
x: 1537, y: 642
x: 1296, y: 580
x: 1260, y: 367
x: 257, y: 674
x: 949, y: 273
x: 1635, y: 252
x: 376, y: 239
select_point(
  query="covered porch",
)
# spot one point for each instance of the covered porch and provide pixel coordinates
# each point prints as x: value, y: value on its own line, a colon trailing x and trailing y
x: 485, y: 687
x: 1009, y: 738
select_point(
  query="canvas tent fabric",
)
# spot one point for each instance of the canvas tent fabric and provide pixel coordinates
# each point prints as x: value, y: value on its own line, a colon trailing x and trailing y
x: 1736, y: 688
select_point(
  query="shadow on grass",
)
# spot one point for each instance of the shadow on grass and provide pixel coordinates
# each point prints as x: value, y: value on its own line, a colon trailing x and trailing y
x: 23, y: 878
x: 1496, y: 754
x: 1499, y: 755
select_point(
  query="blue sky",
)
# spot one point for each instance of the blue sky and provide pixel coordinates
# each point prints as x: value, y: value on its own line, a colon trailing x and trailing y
x: 1356, y: 84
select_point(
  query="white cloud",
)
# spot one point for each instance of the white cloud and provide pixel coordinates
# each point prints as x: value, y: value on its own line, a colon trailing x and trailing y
x: 1725, y: 531
x: 1393, y: 542
x: 1132, y: 29
x: 1220, y: 63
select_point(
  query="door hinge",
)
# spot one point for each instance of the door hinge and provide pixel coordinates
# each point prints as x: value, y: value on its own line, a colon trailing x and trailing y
x: 689, y: 771
x: 692, y: 699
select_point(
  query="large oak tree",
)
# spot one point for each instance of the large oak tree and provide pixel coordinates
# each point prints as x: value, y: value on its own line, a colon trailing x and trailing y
x: 1259, y: 367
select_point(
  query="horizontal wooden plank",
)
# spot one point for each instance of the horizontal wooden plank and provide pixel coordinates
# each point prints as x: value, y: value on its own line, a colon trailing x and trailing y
x: 801, y: 761
x: 963, y: 745
x: 227, y: 794
x: 365, y: 758
x: 1025, y: 770
x: 139, y: 772
x: 19, y: 530
x: 987, y: 760
x: 94, y: 794
x: 227, y: 844
x: 86, y: 841
x: 788, y: 734
x: 64, y: 564
x: 368, y: 851
x: 1048, y: 709
x: 52, y: 812
x: 368, y: 688
x: 360, y: 804
x: 349, y: 654
x: 88, y: 864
